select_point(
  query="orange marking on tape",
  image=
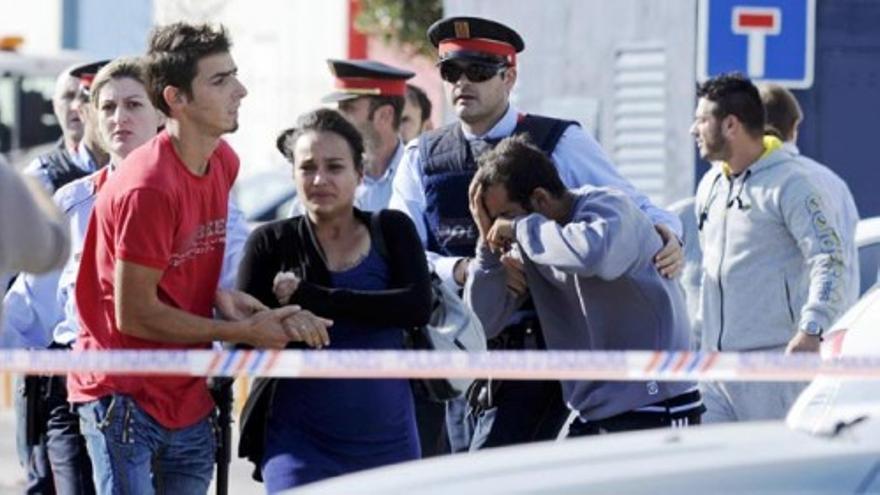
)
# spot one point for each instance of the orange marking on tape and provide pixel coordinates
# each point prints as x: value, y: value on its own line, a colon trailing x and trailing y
x: 245, y: 357
x: 653, y: 362
x: 212, y: 366
x: 709, y: 362
x: 681, y: 361
x: 270, y: 363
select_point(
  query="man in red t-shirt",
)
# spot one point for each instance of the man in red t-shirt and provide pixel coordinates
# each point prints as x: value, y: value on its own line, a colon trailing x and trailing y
x: 149, y: 274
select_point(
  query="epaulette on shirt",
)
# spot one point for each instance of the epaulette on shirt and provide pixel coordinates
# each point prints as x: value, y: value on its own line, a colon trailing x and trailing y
x: 74, y: 193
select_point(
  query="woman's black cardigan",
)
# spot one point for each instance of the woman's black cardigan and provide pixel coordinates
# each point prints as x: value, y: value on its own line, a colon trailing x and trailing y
x: 290, y: 245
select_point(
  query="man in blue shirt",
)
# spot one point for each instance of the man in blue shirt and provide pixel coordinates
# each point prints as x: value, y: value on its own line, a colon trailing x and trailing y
x: 32, y: 309
x: 478, y: 65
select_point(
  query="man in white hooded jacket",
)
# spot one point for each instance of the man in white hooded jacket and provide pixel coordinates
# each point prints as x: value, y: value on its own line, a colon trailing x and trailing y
x: 772, y: 255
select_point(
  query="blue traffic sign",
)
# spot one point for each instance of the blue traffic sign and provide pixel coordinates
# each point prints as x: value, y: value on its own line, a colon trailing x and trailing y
x: 767, y: 40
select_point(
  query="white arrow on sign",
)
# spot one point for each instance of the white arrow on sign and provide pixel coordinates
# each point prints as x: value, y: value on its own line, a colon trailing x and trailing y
x: 757, y: 23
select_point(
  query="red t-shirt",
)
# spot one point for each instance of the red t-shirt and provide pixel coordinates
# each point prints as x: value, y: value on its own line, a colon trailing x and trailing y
x: 154, y: 212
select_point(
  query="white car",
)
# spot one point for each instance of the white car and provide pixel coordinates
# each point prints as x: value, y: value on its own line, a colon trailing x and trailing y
x: 830, y: 404
x: 868, y: 242
x: 265, y: 196
x: 830, y: 443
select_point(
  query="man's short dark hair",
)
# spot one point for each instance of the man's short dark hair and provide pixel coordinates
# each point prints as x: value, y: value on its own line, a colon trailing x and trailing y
x: 173, y: 55
x: 417, y: 96
x: 734, y: 94
x: 322, y: 120
x: 521, y: 167
x: 783, y: 110
x: 396, y: 102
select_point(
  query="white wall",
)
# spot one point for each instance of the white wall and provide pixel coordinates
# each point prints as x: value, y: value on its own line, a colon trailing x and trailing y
x: 113, y: 28
x: 281, y: 47
x: 570, y: 50
x: 38, y: 21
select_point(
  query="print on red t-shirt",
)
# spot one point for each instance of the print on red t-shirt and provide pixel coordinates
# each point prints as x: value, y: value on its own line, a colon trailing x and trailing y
x: 207, y: 238
x: 154, y: 212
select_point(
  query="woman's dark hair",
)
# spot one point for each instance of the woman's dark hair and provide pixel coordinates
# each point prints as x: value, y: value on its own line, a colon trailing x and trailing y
x: 521, y: 167
x: 323, y: 120
x: 173, y: 56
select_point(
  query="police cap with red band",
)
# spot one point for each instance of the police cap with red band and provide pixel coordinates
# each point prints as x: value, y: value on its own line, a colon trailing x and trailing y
x: 86, y: 72
x: 356, y: 78
x: 476, y: 39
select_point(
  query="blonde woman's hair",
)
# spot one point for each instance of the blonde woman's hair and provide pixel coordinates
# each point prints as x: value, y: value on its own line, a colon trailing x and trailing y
x: 130, y: 67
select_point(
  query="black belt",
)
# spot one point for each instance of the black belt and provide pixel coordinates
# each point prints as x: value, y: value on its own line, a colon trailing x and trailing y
x: 677, y: 407
x: 523, y: 335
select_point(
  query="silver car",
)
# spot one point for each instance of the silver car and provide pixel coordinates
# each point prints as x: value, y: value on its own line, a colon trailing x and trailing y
x: 830, y: 443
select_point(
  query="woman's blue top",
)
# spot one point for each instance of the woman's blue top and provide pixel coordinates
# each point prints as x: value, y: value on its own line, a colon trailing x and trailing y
x: 320, y: 428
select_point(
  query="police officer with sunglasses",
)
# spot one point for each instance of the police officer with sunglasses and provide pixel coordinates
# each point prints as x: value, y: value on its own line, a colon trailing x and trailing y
x: 478, y: 64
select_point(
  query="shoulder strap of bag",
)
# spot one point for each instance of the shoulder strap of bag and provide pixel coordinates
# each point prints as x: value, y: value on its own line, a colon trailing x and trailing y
x: 377, y: 236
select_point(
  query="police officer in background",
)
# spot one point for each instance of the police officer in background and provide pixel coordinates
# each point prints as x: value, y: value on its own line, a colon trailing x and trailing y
x: 371, y: 95
x: 58, y: 165
x: 31, y: 309
x: 477, y: 62
x: 78, y: 152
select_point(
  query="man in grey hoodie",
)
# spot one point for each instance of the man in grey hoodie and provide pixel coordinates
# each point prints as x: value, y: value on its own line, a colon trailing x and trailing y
x: 772, y: 256
x: 587, y: 256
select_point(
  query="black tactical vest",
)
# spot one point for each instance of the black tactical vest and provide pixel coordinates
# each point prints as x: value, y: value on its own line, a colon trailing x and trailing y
x: 448, y: 166
x: 60, y: 167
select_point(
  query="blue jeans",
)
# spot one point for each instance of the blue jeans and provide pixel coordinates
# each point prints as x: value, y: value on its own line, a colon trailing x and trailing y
x: 71, y: 468
x: 133, y: 454
x: 33, y: 458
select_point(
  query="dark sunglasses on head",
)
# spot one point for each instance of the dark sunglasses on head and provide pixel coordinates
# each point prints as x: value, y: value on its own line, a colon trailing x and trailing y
x: 475, y: 72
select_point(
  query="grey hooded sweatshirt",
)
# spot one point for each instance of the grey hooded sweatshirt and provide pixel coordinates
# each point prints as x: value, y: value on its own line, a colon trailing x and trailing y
x: 595, y: 287
x: 842, y: 206
x: 772, y: 258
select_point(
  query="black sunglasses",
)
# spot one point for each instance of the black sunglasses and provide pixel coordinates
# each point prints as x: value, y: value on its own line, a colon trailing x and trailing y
x: 451, y: 71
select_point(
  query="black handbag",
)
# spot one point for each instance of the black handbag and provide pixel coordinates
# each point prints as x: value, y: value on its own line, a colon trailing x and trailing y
x: 453, y: 326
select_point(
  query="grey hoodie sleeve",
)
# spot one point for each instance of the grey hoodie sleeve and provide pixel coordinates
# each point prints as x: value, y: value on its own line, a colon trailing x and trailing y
x: 486, y: 292
x: 813, y: 227
x: 607, y: 236
x: 30, y: 241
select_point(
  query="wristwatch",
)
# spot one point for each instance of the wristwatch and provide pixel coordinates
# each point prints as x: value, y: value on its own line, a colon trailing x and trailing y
x: 812, y: 328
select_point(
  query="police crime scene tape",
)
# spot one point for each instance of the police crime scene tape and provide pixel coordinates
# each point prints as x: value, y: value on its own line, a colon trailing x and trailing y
x: 513, y: 365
